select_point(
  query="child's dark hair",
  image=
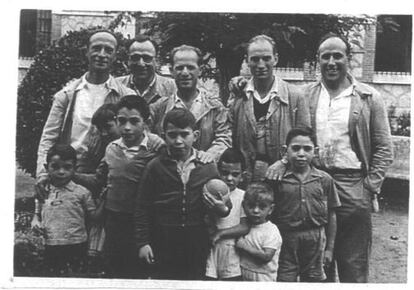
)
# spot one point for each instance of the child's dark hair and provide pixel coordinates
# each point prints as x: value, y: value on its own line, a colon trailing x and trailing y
x: 104, y: 114
x: 300, y: 131
x: 232, y: 155
x: 64, y: 151
x: 259, y: 191
x: 179, y: 117
x: 134, y: 102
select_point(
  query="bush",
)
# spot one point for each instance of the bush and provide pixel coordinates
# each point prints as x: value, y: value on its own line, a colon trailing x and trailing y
x: 52, y: 68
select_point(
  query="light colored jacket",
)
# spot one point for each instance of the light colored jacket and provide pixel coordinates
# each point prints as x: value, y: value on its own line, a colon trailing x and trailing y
x: 368, y: 128
x: 162, y: 87
x: 211, y: 121
x: 287, y: 110
x: 58, y: 126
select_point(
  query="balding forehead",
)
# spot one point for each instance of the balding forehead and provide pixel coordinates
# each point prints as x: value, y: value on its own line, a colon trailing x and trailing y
x: 103, y: 35
x: 333, y: 41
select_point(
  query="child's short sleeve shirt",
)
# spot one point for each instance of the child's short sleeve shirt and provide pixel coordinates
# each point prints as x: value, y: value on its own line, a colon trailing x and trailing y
x: 237, y: 212
x: 64, y: 213
x: 262, y: 236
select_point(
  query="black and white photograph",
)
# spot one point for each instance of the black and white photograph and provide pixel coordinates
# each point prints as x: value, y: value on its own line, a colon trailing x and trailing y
x: 187, y: 147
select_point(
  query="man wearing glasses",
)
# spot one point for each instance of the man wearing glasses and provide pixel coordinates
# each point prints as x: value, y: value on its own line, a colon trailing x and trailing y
x: 142, y: 78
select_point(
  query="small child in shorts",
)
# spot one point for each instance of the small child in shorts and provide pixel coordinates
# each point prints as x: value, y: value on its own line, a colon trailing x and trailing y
x: 305, y: 200
x: 223, y: 262
x: 62, y: 214
x: 260, y: 248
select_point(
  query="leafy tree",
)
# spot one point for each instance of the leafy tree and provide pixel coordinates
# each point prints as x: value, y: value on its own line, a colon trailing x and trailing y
x: 52, y: 68
x: 224, y: 36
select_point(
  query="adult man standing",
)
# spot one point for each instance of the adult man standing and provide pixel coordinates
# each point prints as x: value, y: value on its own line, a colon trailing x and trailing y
x: 143, y: 78
x: 355, y: 147
x: 211, y: 116
x: 69, y: 119
x: 265, y: 110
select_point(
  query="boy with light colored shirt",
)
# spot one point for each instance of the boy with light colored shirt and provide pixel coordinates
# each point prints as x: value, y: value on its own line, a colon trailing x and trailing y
x: 63, y: 214
x: 121, y: 170
x: 260, y: 248
x: 223, y: 262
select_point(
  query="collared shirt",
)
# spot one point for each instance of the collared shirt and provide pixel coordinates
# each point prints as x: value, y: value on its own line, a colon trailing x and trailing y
x: 64, y: 213
x: 184, y: 168
x: 131, y: 85
x: 159, y: 87
x: 197, y: 106
x: 332, y: 130
x: 304, y: 204
x: 131, y: 152
x: 89, y: 98
x: 251, y: 91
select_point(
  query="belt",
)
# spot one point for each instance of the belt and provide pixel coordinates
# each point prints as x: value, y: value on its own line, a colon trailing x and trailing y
x: 336, y: 171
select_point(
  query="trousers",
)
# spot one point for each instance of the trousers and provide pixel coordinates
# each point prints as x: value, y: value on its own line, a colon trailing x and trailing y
x: 354, y: 230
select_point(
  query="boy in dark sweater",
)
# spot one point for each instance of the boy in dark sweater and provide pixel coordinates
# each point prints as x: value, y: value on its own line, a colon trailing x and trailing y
x: 169, y: 218
x: 121, y: 170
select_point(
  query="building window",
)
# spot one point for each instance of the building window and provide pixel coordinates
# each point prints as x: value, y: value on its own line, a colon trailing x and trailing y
x: 393, y: 47
x: 35, y: 30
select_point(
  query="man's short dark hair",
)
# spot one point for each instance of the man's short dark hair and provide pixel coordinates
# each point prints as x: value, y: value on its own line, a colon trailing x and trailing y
x: 259, y: 191
x: 179, y: 117
x: 64, y: 151
x: 300, y: 131
x: 232, y: 155
x: 99, y: 31
x: 104, y: 114
x: 335, y: 35
x: 140, y: 38
x: 185, y: 47
x: 262, y: 37
x: 134, y: 102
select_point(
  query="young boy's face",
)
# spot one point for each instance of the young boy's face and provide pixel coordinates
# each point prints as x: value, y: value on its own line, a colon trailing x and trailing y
x: 231, y: 174
x: 131, y: 126
x: 60, y: 171
x: 300, y: 152
x: 109, y: 131
x: 257, y: 210
x: 179, y: 141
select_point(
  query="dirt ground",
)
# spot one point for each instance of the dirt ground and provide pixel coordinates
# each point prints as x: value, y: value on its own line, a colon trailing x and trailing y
x: 390, y: 226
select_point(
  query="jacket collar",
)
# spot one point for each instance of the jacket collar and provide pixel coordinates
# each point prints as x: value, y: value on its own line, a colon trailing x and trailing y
x: 110, y: 83
x: 277, y: 90
x: 203, y: 97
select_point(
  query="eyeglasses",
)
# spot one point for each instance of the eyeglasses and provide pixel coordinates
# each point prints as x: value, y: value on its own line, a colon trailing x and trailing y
x: 265, y: 58
x: 306, y: 148
x: 145, y: 58
x: 174, y: 135
x: 132, y: 120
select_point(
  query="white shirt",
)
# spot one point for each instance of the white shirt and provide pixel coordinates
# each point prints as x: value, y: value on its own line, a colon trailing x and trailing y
x: 332, y: 131
x: 262, y: 236
x: 89, y: 98
x: 237, y: 212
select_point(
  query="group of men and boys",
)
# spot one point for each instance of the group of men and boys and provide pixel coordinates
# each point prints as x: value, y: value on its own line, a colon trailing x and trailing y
x: 123, y: 165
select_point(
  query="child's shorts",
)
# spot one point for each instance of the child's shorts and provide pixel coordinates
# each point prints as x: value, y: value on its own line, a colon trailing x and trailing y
x: 302, y: 255
x: 249, y: 275
x: 223, y: 261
